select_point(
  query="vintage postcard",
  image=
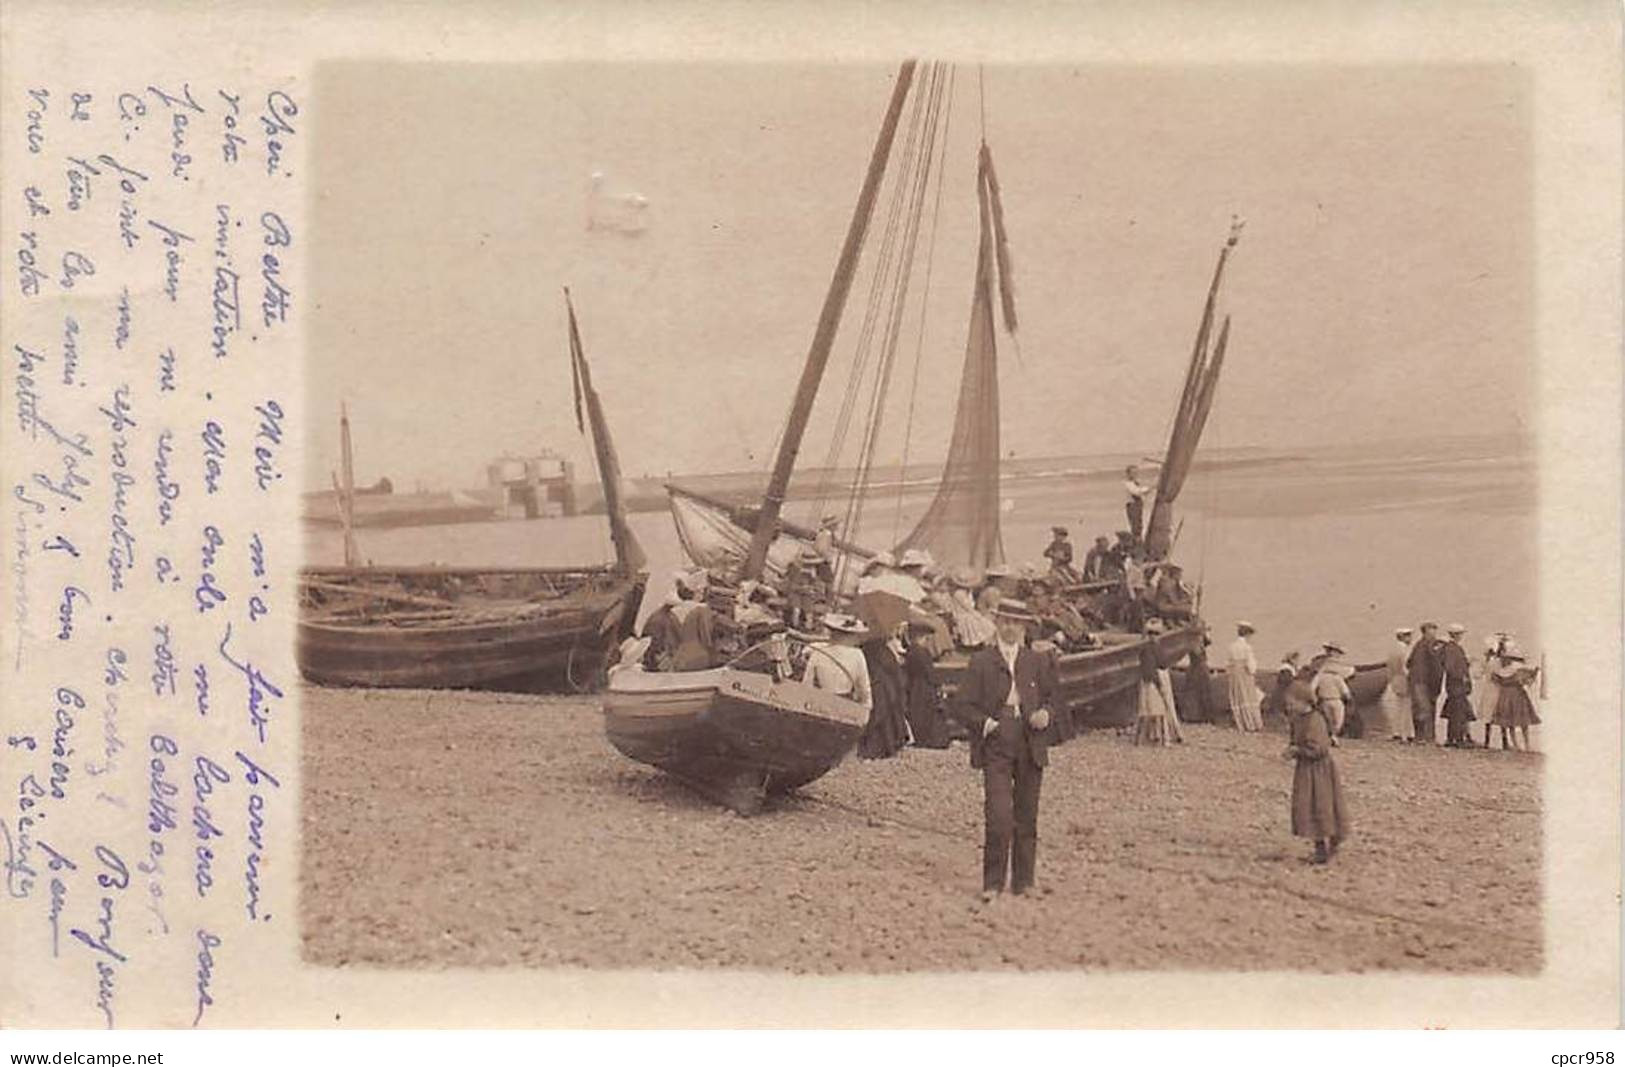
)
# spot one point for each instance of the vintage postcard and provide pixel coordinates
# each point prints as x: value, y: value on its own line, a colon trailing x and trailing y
x: 707, y: 515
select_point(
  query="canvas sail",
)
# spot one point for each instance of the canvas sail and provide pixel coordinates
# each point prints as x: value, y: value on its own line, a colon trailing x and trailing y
x: 961, y: 527
x: 1201, y: 382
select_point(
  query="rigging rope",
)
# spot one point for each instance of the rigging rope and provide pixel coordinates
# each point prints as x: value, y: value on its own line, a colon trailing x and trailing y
x: 925, y: 299
x: 920, y: 182
x: 872, y: 305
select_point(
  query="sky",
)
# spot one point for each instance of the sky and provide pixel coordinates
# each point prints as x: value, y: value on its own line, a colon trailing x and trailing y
x: 1383, y: 287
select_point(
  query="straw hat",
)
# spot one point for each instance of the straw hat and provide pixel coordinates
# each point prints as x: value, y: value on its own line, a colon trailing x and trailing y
x: 915, y: 557
x: 1013, y: 609
x: 1455, y: 629
x: 1403, y: 631
x: 879, y: 559
x: 1244, y: 628
x: 842, y: 623
x: 964, y: 577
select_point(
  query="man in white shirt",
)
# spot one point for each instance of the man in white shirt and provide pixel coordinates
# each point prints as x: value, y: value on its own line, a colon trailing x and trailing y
x: 1135, y: 507
x: 1005, y: 700
x: 837, y: 665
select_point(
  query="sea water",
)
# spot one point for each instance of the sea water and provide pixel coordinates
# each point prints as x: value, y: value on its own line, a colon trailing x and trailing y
x: 1337, y: 544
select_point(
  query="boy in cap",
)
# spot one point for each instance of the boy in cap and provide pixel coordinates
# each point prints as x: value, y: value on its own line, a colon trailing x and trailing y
x: 1005, y: 702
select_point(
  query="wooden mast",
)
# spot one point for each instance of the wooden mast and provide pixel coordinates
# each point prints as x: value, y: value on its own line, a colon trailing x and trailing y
x: 629, y: 556
x: 346, y: 489
x: 829, y: 320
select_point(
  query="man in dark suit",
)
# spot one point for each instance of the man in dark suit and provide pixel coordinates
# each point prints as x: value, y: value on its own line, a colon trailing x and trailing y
x: 1425, y: 670
x: 1005, y: 701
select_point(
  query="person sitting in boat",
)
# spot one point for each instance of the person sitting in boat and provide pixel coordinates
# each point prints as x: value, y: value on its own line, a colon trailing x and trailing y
x: 836, y: 663
x: 1117, y: 557
x: 752, y: 610
x: 629, y: 657
x: 1061, y: 623
x: 875, y: 571
x: 972, y: 629
x: 661, y: 630
x: 1097, y: 560
x: 1170, y: 598
x: 696, y: 626
x: 1059, y: 554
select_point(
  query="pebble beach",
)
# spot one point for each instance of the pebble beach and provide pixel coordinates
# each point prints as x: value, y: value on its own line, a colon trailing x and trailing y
x: 452, y: 829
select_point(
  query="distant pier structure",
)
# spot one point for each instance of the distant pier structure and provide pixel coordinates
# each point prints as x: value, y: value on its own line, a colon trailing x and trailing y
x: 534, y: 486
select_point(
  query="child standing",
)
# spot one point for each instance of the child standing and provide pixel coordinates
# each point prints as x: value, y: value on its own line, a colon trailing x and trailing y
x: 1318, y: 810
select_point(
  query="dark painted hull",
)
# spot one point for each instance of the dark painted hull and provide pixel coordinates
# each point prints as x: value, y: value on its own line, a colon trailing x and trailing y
x: 1099, y: 686
x: 1366, y: 684
x: 734, y: 736
x: 480, y: 646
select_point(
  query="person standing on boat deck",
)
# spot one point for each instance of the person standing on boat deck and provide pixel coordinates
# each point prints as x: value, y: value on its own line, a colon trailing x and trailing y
x: 696, y: 626
x: 1135, y: 506
x: 824, y: 546
x: 1242, y: 668
x: 1331, y: 687
x: 1424, y: 670
x: 1005, y: 702
x: 1396, y: 694
x: 837, y: 664
x: 1458, y: 684
x: 1059, y: 554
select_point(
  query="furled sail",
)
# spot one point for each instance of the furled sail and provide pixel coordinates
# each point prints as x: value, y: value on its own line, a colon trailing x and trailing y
x: 1201, y: 382
x: 961, y: 527
x: 629, y: 553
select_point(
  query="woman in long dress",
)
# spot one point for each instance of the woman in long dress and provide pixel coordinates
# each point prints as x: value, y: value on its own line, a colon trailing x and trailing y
x: 1396, y: 695
x: 1484, y: 687
x: 1155, y: 723
x: 1514, y: 711
x: 887, y: 730
x: 1319, y: 811
x: 1242, y: 669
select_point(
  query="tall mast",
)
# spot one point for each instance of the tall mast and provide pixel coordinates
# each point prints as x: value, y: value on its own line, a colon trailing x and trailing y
x: 346, y: 489
x: 829, y: 321
x: 629, y: 556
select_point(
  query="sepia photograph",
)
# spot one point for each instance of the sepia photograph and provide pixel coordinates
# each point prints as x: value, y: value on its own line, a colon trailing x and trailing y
x: 863, y: 518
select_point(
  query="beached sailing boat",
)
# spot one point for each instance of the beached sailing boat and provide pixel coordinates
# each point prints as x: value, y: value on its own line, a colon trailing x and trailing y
x: 961, y: 525
x: 511, y: 629
x: 737, y: 735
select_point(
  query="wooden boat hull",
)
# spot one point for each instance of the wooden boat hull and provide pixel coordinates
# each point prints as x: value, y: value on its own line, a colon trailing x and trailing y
x: 1366, y: 684
x: 1100, y: 686
x: 734, y: 736
x: 561, y: 648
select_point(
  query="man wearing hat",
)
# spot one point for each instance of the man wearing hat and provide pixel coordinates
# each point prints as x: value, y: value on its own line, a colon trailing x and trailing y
x: 1396, y: 699
x: 838, y: 664
x: 1095, y: 561
x: 1059, y: 554
x: 1424, y: 670
x: 1005, y: 702
x: 1331, y: 687
x: 1458, y: 684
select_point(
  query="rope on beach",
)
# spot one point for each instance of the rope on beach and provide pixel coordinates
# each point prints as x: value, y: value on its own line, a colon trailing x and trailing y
x: 1430, y: 923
